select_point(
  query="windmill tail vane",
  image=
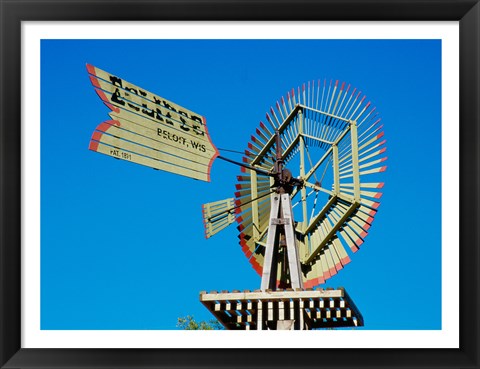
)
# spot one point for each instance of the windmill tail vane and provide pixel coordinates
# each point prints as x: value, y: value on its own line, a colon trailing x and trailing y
x: 150, y: 130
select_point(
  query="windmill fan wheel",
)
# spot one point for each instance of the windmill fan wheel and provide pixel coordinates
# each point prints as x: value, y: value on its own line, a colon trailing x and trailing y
x: 332, y: 140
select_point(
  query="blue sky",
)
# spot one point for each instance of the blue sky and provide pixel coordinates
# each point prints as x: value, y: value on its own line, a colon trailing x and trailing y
x: 123, y: 247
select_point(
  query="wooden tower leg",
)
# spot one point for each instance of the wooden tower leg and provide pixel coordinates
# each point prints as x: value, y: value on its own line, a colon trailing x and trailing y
x: 269, y: 273
x: 296, y: 279
x: 281, y: 217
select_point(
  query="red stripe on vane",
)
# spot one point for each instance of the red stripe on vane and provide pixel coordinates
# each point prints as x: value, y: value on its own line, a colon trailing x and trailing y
x: 95, y: 82
x: 246, y: 251
x: 97, y: 136
x: 314, y: 282
x: 107, y: 124
x: 256, y: 266
x: 93, y: 145
x: 106, y: 101
x: 216, y: 154
x: 358, y: 242
x: 91, y: 69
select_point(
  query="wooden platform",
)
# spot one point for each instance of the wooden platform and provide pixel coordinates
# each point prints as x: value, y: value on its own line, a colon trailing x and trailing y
x: 286, y: 309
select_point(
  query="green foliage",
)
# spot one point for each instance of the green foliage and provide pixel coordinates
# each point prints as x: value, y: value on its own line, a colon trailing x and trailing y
x: 189, y: 323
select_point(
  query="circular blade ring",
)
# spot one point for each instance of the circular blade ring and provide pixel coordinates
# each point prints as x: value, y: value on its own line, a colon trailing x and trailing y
x: 334, y: 133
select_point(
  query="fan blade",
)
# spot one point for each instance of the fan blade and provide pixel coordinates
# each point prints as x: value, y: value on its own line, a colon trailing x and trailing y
x: 332, y: 260
x: 365, y: 185
x: 375, y: 195
x: 315, y: 276
x: 341, y: 252
x: 249, y: 248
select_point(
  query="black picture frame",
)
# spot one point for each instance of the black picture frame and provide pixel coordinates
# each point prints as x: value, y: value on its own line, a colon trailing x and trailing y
x: 467, y: 12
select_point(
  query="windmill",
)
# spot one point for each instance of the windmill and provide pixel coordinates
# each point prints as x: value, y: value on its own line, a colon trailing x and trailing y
x: 308, y: 191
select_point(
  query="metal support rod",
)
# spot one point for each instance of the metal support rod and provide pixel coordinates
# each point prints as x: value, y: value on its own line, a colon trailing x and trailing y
x: 257, y: 170
x: 324, y: 113
x: 214, y: 218
x: 316, y: 139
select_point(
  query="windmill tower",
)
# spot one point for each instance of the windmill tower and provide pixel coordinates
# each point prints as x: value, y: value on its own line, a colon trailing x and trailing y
x: 331, y: 139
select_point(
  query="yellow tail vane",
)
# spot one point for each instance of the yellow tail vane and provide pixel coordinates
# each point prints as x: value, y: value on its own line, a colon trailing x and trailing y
x: 218, y: 215
x: 149, y: 130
